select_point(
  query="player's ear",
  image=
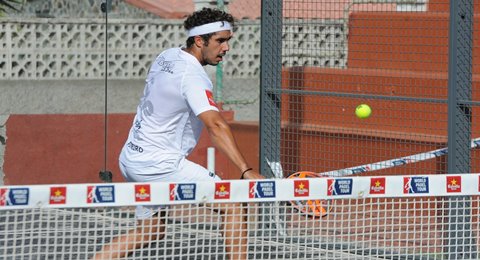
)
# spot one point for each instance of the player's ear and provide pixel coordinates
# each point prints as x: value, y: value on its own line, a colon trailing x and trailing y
x: 199, y: 42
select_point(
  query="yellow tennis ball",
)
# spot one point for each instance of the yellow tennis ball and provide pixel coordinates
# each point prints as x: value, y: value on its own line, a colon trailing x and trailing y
x: 363, y: 111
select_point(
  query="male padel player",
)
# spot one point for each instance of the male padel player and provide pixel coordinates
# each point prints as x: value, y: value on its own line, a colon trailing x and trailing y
x: 177, y: 104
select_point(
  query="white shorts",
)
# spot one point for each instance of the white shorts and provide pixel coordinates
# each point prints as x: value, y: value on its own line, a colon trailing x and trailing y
x: 187, y: 171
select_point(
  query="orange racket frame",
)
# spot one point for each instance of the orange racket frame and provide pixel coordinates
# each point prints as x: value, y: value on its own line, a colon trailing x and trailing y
x: 313, y: 208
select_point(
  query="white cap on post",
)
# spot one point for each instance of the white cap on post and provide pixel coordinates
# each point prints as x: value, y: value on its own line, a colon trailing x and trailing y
x: 211, y: 159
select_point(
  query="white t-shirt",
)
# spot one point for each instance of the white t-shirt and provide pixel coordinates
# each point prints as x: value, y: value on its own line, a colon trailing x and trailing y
x: 166, y: 127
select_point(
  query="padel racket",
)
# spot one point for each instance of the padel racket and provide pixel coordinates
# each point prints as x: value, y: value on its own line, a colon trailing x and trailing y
x: 321, y: 208
x: 313, y: 208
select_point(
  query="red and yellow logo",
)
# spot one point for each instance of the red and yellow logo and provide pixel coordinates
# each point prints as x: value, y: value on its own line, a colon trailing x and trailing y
x: 454, y: 184
x: 222, y: 190
x: 142, y: 192
x: 301, y: 188
x: 377, y: 185
x: 58, y: 195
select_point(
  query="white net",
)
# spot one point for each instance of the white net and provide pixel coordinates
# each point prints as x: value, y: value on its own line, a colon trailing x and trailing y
x: 379, y: 217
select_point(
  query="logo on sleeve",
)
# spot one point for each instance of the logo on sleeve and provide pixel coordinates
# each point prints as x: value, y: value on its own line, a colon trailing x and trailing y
x: 339, y: 187
x: 142, y: 193
x: 261, y: 189
x: 377, y: 185
x: 222, y: 190
x: 301, y: 188
x: 210, y: 98
x: 58, y: 195
x: 100, y: 194
x: 413, y: 185
x: 14, y: 196
x: 182, y: 191
x: 454, y: 183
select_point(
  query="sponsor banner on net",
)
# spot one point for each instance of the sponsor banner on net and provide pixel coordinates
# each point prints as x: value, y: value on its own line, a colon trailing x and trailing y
x: 124, y: 194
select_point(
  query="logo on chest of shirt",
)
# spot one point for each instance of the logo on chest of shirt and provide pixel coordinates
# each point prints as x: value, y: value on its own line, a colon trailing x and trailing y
x: 210, y: 98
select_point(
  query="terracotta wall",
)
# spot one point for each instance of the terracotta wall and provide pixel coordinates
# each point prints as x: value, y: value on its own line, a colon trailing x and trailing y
x: 402, y: 55
x: 49, y: 149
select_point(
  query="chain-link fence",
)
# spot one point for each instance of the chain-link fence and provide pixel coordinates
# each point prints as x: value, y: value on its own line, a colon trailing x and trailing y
x: 414, y: 63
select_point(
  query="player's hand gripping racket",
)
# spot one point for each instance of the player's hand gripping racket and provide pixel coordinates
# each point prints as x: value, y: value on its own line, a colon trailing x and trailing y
x: 314, y: 208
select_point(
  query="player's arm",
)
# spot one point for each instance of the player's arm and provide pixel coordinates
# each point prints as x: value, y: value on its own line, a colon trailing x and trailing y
x: 222, y: 137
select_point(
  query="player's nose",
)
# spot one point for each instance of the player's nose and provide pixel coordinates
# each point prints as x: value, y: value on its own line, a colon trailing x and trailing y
x: 225, y: 47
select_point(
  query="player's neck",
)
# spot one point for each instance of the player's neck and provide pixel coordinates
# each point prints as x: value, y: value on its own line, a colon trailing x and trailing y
x: 195, y: 52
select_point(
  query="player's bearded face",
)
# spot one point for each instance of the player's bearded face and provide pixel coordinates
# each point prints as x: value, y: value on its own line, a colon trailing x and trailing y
x: 216, y: 47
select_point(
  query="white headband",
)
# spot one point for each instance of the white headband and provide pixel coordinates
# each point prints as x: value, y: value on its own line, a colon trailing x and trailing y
x: 210, y: 28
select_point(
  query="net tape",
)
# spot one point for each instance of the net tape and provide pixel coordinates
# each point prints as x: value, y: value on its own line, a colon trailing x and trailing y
x: 269, y: 190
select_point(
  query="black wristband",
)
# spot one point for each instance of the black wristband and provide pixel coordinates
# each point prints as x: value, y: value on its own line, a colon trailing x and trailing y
x: 243, y: 173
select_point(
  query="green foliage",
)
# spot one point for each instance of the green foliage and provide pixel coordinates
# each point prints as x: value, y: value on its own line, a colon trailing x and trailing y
x: 10, y: 5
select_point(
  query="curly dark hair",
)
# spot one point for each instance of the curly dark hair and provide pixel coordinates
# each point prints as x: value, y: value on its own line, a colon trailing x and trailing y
x: 204, y: 16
